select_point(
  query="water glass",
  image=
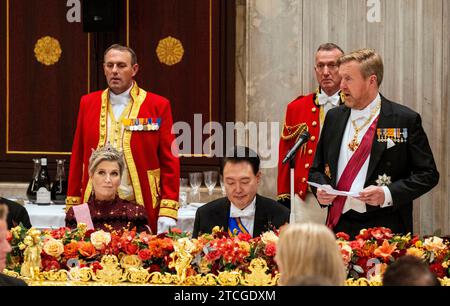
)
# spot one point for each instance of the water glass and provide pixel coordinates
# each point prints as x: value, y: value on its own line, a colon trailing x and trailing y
x: 222, y: 185
x: 210, y: 180
x: 183, y: 191
x: 195, y: 179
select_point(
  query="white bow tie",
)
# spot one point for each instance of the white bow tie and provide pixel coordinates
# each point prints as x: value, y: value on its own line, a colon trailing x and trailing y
x: 324, y: 99
x: 241, y: 214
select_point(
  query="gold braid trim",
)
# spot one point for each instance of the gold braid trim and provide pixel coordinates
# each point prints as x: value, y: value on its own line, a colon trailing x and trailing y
x: 138, y: 96
x: 284, y: 196
x: 155, y: 186
x: 169, y: 208
x: 299, y: 128
x: 71, y: 201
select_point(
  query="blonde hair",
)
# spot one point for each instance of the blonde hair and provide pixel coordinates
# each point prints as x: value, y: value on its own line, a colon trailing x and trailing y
x: 3, y: 212
x: 371, y: 63
x: 105, y: 153
x: 309, y: 250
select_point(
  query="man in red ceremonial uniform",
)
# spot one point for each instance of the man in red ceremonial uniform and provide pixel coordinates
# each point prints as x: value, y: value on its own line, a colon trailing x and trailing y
x: 138, y: 123
x: 307, y: 113
x: 373, y: 148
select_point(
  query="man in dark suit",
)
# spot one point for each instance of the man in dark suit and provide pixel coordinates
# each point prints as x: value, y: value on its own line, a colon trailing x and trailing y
x: 5, y: 248
x: 374, y: 148
x: 17, y: 214
x: 242, y: 210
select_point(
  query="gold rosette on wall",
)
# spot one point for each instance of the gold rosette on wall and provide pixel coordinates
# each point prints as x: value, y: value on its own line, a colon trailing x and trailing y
x: 170, y: 51
x: 47, y: 50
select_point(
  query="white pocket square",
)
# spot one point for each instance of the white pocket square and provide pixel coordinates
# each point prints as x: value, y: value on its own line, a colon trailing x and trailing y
x: 390, y: 143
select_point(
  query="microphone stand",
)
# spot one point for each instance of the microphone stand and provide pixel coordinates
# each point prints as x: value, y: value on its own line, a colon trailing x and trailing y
x: 292, y: 167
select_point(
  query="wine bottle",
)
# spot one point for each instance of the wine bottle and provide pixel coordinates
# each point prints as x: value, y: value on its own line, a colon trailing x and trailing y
x: 43, y: 184
x: 32, y: 187
x: 59, y: 186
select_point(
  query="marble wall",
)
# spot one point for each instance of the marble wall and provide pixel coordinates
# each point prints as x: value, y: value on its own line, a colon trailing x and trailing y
x: 276, y: 41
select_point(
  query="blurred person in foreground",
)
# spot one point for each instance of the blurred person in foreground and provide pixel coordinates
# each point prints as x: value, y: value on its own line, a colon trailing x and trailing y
x: 309, y: 250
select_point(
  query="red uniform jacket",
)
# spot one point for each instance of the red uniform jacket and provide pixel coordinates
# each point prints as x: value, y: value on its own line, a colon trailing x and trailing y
x: 154, y: 170
x: 301, y: 114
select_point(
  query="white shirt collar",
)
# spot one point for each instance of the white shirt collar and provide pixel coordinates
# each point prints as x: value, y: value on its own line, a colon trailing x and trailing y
x: 249, y: 211
x: 121, y: 98
x: 364, y: 113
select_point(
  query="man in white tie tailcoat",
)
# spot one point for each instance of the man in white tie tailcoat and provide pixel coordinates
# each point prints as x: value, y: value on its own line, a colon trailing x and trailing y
x: 307, y: 113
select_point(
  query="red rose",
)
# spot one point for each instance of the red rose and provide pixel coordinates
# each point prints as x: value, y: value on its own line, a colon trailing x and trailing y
x: 271, y: 249
x: 438, y: 269
x: 96, y: 266
x: 342, y: 235
x: 51, y: 265
x: 145, y: 254
x: 244, y: 237
x: 176, y: 230
x: 131, y: 249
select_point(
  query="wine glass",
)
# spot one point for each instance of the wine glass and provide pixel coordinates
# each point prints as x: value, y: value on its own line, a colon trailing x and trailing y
x: 195, y: 179
x: 222, y: 185
x: 210, y: 180
x: 183, y: 191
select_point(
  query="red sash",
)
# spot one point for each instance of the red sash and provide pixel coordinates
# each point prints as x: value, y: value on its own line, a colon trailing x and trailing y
x: 350, y: 172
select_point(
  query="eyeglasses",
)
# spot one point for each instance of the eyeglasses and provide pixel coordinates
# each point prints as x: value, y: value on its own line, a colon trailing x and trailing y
x: 331, y: 67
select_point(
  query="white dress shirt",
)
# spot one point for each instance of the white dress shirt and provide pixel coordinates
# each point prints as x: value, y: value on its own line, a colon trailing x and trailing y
x: 247, y: 215
x: 360, y: 116
x: 118, y: 104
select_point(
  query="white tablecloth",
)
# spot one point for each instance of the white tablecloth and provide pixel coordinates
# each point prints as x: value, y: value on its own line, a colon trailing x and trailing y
x: 46, y: 216
x: 53, y: 216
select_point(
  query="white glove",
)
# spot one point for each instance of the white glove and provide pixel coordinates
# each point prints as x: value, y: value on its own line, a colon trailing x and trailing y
x: 165, y: 223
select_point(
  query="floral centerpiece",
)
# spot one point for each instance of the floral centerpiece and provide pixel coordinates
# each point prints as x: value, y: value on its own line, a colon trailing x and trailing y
x: 216, y: 258
x: 171, y: 253
x: 375, y: 248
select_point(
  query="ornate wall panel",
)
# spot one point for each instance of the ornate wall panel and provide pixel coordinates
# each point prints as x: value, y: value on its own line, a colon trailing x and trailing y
x: 46, y: 71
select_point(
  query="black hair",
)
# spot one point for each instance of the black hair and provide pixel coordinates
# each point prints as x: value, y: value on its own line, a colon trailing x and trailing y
x: 240, y: 154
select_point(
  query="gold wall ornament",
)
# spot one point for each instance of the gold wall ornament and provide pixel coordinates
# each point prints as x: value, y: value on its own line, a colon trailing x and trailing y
x: 170, y: 51
x: 47, y: 50
x: 258, y: 275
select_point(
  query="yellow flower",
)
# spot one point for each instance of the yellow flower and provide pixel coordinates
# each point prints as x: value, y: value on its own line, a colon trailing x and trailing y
x: 22, y: 246
x: 216, y: 229
x: 15, y: 232
x: 203, y: 266
x: 418, y: 244
x: 269, y: 237
x: 54, y: 247
x: 415, y: 252
x: 100, y: 239
x: 244, y: 245
x: 445, y: 264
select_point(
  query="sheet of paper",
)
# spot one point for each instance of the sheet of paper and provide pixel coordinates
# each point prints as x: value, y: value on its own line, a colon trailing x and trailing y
x: 330, y: 190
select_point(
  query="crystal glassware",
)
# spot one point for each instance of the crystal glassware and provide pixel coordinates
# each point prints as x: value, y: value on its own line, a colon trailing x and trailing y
x: 210, y: 180
x: 195, y: 180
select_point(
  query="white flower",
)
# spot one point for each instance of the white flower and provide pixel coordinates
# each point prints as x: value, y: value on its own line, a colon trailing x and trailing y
x: 100, y: 239
x: 269, y: 237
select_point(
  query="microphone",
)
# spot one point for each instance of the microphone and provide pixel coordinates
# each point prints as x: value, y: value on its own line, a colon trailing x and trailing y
x: 302, y: 139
